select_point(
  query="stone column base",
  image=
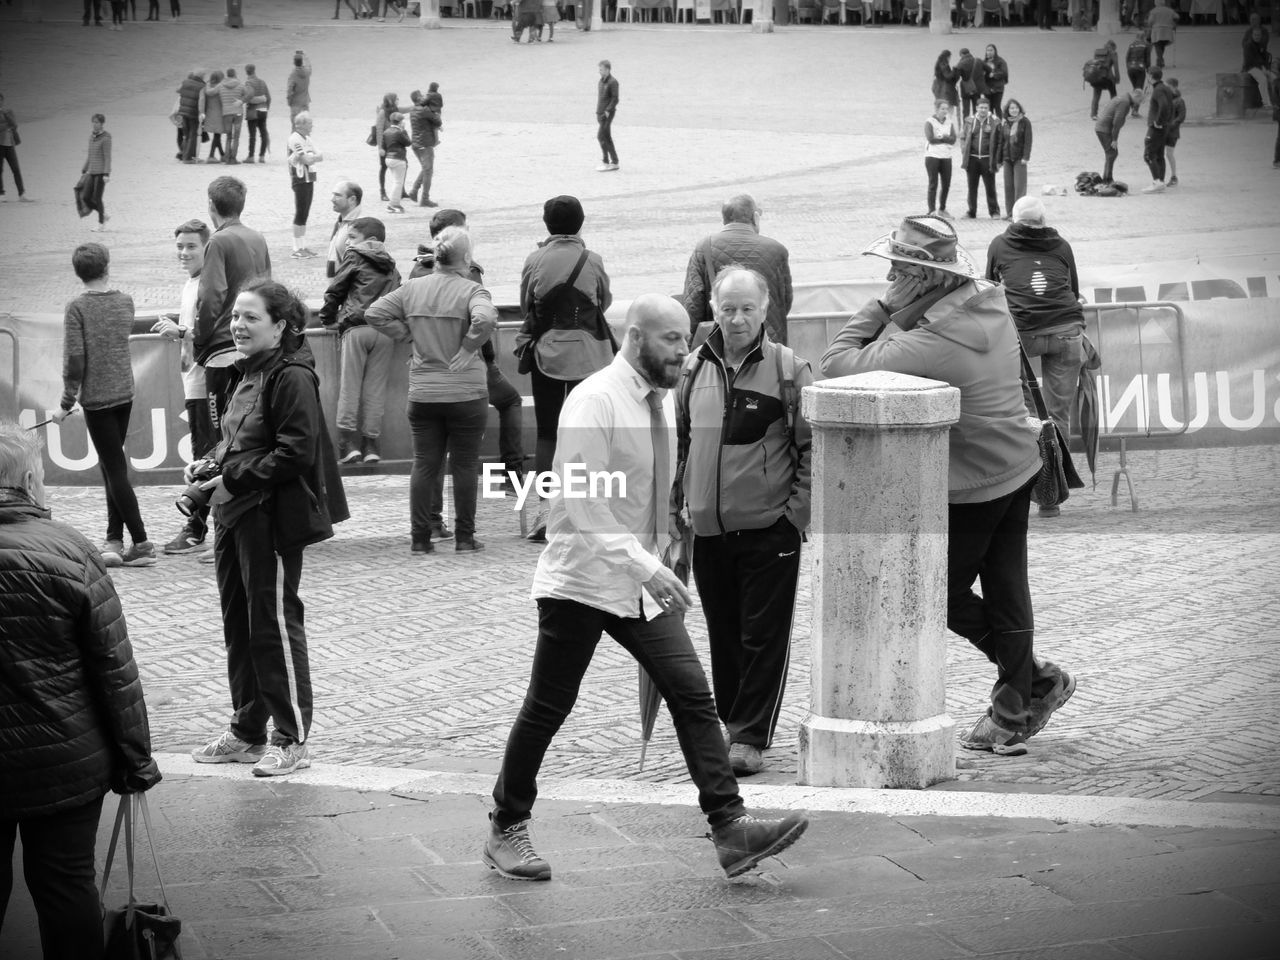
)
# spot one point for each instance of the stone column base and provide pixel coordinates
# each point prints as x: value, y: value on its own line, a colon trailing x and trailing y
x: 877, y: 754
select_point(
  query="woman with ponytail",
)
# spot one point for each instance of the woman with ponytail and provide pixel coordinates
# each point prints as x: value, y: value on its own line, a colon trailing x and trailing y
x: 273, y: 483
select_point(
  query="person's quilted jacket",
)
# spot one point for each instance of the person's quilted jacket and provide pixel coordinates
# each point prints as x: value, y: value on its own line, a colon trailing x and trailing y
x: 739, y: 243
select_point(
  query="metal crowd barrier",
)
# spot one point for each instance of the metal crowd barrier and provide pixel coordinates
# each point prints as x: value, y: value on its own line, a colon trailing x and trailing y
x: 1097, y: 329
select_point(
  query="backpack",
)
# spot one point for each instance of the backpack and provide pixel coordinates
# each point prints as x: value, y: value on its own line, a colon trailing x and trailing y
x: 575, y: 339
x: 1096, y: 70
x: 786, y: 366
x: 1135, y: 58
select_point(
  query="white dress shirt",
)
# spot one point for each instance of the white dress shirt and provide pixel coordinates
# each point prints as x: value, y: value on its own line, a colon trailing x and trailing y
x: 600, y: 550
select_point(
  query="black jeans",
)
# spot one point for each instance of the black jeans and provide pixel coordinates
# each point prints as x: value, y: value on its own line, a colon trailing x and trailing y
x: 996, y: 97
x: 258, y: 129
x: 1276, y: 157
x: 262, y: 623
x: 1109, y: 152
x: 939, y: 169
x: 747, y: 584
x: 303, y: 193
x: 57, y: 862
x: 568, y: 633
x: 981, y: 169
x: 1159, y: 47
x: 988, y: 541
x: 605, y: 135
x: 91, y: 193
x: 1153, y: 152
x: 440, y: 428
x: 190, y: 136
x: 548, y: 399
x: 107, y: 431
x: 506, y: 399
x: 1097, y: 95
x: 9, y: 155
x: 96, y: 6
x: 203, y: 439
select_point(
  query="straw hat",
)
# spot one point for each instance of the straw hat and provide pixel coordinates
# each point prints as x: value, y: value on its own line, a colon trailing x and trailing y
x: 926, y: 241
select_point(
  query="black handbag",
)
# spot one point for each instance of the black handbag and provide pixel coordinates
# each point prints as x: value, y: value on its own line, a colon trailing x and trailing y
x: 138, y: 931
x: 372, y: 138
x: 1057, y: 477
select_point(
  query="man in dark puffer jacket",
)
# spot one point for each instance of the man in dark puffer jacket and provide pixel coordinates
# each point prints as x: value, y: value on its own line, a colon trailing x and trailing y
x: 739, y: 242
x: 73, y: 722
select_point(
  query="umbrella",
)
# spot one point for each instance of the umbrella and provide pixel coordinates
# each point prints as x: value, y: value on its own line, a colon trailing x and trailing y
x: 1087, y: 404
x: 677, y: 558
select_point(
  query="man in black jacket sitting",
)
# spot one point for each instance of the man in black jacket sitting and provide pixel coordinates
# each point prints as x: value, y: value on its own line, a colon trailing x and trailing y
x: 73, y: 722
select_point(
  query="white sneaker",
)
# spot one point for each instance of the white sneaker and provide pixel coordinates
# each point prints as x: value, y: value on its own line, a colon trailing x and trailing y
x: 1157, y: 186
x: 280, y: 761
x: 228, y: 748
x: 603, y: 168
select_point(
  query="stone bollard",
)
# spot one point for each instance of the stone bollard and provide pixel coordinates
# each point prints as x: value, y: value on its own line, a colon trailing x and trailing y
x: 939, y: 15
x: 429, y: 15
x: 877, y: 697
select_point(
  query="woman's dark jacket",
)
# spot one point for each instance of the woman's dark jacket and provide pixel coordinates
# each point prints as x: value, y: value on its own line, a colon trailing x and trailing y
x: 276, y: 452
x: 73, y: 722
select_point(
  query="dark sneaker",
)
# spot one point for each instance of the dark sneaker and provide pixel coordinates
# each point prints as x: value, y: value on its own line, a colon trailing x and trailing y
x: 468, y: 544
x: 989, y: 735
x: 228, y: 748
x: 278, y: 761
x: 742, y: 843
x: 1043, y: 708
x: 422, y: 546
x: 369, y: 450
x: 139, y: 555
x: 745, y: 759
x: 112, y: 551
x: 440, y: 532
x: 348, y: 447
x: 511, y: 853
x: 187, y: 541
x: 1044, y: 511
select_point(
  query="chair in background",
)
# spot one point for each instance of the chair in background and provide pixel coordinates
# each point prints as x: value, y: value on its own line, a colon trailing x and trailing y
x: 968, y: 13
x: 685, y: 7
x: 991, y: 10
x: 910, y: 9
x: 624, y: 6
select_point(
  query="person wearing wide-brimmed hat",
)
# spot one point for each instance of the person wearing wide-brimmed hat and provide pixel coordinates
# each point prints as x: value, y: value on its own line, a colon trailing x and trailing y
x: 937, y: 319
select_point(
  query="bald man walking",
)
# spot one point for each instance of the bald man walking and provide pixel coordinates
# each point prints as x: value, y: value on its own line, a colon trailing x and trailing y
x: 600, y: 573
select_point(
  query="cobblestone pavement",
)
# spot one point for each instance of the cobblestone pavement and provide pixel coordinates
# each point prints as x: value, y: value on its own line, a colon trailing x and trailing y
x: 1168, y: 616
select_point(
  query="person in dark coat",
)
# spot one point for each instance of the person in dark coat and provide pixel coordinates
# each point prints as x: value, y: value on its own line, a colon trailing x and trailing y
x: 1159, y: 116
x: 189, y: 95
x: 73, y: 720
x: 973, y: 82
x: 945, y: 78
x: 276, y: 491
x: 995, y: 72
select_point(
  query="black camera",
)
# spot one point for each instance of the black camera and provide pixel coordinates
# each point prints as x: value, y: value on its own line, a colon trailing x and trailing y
x: 194, y: 498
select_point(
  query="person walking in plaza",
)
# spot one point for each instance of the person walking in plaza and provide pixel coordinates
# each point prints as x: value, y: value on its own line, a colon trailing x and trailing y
x: 9, y: 141
x: 995, y: 73
x: 303, y: 157
x: 1110, y: 122
x: 939, y: 142
x: 297, y: 91
x: 276, y: 491
x: 1162, y: 21
x: 233, y: 97
x: 347, y: 197
x: 739, y: 242
x: 1011, y: 153
x: 606, y: 107
x: 745, y: 482
x: 191, y: 95
x: 211, y: 116
x: 977, y: 158
x: 257, y: 103
x: 1103, y: 73
x: 564, y: 293
x: 367, y: 272
x: 446, y: 316
x: 945, y: 78
x: 190, y: 239
x: 426, y: 123
x: 525, y: 15
x: 395, y: 153
x: 97, y: 373
x: 600, y: 573
x: 1137, y: 61
x: 1042, y: 288
x: 1174, y: 132
x: 381, y: 117
x: 95, y: 172
x: 938, y: 320
x: 1159, y: 115
x: 234, y: 255
x: 74, y: 724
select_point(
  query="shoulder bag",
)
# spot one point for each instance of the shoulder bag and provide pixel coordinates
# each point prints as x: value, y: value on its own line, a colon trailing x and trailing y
x: 138, y: 930
x: 1057, y: 477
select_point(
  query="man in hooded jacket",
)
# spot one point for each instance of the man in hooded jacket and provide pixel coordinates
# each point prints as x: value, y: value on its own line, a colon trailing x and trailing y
x: 938, y: 320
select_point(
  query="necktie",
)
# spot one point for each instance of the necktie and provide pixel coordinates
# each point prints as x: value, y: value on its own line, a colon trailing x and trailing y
x: 661, y: 463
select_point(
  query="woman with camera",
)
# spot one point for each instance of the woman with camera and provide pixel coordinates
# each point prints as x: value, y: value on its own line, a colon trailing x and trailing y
x: 447, y: 316
x: 274, y: 487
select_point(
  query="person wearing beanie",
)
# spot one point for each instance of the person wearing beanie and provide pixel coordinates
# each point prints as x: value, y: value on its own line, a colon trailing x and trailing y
x: 564, y: 293
x: 1038, y: 270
